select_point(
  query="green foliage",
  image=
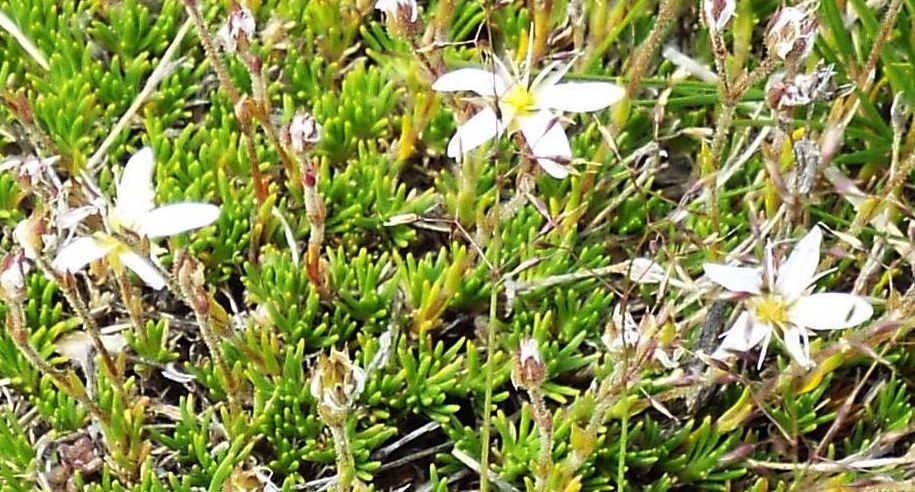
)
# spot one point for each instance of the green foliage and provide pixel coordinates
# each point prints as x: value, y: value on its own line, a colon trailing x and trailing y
x: 418, y: 249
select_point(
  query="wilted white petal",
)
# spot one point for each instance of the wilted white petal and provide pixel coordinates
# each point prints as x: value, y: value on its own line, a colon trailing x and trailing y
x: 176, y: 218
x: 734, y: 279
x: 135, y: 189
x: 71, y: 218
x: 795, y: 343
x: 143, y: 268
x: 579, y: 97
x: 176, y: 375
x: 645, y: 271
x: 548, y: 142
x: 796, y: 274
x: 80, y: 252
x: 830, y: 311
x: 476, y: 131
x: 483, y: 82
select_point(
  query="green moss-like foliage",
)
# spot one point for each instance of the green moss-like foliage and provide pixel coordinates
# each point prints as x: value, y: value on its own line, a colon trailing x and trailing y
x: 432, y: 271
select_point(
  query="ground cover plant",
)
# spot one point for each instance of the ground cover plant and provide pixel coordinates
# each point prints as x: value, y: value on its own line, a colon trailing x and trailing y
x: 545, y: 245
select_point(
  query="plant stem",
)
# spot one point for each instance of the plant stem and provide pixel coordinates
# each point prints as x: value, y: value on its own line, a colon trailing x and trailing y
x: 545, y: 429
x: 133, y: 308
x: 346, y: 465
x: 20, y: 336
x: 82, y: 311
x: 666, y: 15
x: 495, y: 245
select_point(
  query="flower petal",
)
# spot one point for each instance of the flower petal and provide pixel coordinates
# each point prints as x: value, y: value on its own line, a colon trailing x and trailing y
x: 482, y: 127
x: 830, y: 311
x: 135, y: 190
x: 483, y: 82
x: 743, y: 335
x: 798, y: 349
x: 580, y: 97
x: 734, y: 279
x: 143, y: 268
x: 177, y: 218
x: 79, y: 253
x: 796, y: 274
x: 548, y: 142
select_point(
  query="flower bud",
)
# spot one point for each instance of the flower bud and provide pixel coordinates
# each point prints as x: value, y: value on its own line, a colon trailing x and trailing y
x: 530, y: 371
x: 303, y: 132
x: 336, y: 384
x: 238, y: 29
x: 717, y: 13
x: 13, y: 271
x: 192, y: 283
x: 792, y: 33
x: 402, y: 15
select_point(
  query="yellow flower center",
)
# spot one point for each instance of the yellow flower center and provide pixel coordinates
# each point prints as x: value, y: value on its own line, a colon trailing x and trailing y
x: 520, y: 99
x: 771, y: 309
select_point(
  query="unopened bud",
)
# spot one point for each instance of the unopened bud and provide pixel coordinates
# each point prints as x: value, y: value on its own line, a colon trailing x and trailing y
x: 792, y: 33
x: 13, y: 271
x: 303, y: 132
x: 336, y: 384
x: 402, y: 15
x: 718, y: 13
x: 238, y: 29
x: 191, y: 281
x: 529, y: 371
x: 806, y: 88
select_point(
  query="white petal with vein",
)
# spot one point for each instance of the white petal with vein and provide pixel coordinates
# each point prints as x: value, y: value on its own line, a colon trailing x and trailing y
x: 830, y: 311
x: 734, y: 279
x: 143, y: 268
x: 75, y: 255
x: 580, y: 97
x: 475, y: 132
x: 796, y: 274
x: 483, y: 82
x: 177, y: 218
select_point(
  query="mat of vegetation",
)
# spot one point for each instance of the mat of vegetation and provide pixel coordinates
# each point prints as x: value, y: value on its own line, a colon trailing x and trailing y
x: 542, y: 245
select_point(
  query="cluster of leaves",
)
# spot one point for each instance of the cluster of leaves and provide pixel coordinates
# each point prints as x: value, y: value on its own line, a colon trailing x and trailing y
x: 417, y: 247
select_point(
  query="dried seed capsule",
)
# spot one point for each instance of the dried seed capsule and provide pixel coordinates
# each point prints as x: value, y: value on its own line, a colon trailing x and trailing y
x: 718, y: 13
x: 792, y: 33
x: 238, y: 29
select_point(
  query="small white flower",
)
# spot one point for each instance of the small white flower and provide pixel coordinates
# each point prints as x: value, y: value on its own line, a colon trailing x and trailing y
x: 239, y: 27
x: 718, y: 13
x: 395, y: 7
x: 792, y: 32
x: 134, y: 212
x: 780, y: 303
x: 533, y: 107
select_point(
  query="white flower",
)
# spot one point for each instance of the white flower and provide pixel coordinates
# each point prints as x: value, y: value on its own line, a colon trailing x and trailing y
x: 781, y: 304
x: 239, y: 27
x: 395, y: 7
x: 718, y: 13
x: 135, y: 213
x: 792, y: 32
x: 531, y: 107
